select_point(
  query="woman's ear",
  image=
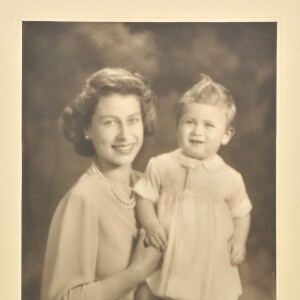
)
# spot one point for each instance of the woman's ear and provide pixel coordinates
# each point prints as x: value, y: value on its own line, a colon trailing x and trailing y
x: 228, y: 135
x: 87, y: 134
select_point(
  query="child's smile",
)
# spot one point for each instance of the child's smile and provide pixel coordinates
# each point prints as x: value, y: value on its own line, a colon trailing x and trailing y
x: 195, y: 141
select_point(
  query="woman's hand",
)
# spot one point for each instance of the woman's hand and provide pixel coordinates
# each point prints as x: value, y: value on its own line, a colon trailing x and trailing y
x: 237, y: 251
x: 145, y: 260
x: 157, y: 236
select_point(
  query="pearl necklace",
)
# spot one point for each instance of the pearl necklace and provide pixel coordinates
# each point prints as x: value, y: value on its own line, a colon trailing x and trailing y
x: 127, y: 204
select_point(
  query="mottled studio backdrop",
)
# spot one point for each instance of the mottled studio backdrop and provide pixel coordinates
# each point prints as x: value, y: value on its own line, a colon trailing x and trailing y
x: 57, y: 58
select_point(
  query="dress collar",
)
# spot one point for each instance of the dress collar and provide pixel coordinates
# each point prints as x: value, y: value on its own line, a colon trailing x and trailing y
x: 214, y: 164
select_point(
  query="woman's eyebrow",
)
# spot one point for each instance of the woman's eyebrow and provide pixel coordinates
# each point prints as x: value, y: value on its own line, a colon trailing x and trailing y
x: 116, y: 117
x: 107, y: 116
x: 135, y: 114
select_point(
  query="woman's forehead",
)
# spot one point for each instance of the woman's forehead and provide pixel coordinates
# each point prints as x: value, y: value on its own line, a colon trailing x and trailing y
x: 118, y: 105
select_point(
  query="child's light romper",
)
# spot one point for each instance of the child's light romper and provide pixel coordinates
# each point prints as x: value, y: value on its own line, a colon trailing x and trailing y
x: 196, y: 202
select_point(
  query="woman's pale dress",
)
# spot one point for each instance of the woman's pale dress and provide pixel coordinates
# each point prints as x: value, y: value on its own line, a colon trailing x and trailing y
x: 91, y: 238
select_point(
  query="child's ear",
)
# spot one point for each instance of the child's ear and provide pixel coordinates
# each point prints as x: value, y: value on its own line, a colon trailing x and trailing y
x: 228, y: 135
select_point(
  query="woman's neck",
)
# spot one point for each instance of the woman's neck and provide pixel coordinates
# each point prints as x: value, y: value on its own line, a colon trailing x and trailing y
x: 119, y: 174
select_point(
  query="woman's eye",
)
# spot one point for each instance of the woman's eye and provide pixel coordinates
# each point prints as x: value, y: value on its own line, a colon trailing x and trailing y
x: 109, y: 123
x: 134, y: 120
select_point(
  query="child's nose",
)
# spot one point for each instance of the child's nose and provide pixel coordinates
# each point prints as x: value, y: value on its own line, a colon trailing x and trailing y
x: 198, y: 130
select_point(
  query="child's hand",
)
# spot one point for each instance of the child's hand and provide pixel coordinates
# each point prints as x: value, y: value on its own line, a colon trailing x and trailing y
x: 157, y: 236
x: 237, y: 251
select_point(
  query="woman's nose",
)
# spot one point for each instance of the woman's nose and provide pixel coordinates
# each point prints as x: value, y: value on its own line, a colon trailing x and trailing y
x: 123, y: 131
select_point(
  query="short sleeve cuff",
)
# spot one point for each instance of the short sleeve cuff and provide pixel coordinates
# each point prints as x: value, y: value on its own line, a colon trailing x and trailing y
x: 145, y: 190
x: 241, y: 210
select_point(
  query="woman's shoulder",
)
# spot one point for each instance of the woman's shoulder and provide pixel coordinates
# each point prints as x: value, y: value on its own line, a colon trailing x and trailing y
x: 82, y: 190
x: 81, y: 182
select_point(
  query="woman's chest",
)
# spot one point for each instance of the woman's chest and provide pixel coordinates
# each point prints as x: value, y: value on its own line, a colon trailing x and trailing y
x: 117, y: 235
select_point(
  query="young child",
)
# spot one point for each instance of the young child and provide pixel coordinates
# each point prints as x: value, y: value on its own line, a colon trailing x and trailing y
x: 194, y: 206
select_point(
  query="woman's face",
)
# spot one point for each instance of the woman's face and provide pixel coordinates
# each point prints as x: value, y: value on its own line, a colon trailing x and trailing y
x: 116, y: 129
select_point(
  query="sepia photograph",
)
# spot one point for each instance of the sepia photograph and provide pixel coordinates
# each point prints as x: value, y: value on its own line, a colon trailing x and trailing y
x: 149, y: 160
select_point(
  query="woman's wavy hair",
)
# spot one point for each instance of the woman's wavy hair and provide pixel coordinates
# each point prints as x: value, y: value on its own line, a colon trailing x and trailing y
x: 78, y: 114
x: 208, y: 92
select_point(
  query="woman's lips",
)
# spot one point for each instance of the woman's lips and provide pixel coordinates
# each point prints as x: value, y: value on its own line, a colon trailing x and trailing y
x: 124, y: 148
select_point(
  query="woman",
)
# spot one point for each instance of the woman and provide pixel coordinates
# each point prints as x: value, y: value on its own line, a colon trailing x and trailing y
x: 93, y: 249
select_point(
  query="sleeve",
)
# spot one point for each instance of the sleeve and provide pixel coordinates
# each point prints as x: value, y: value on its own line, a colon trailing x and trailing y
x: 149, y: 185
x: 71, y: 252
x: 239, y: 202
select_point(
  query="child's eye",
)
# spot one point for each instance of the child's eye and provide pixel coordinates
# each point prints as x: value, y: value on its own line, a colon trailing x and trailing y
x: 188, y: 122
x: 210, y: 125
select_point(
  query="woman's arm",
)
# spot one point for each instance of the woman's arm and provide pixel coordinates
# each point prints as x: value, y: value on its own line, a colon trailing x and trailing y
x: 144, y: 262
x: 71, y: 257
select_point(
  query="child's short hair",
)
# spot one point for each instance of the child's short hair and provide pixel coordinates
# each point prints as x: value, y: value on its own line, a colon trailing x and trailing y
x: 208, y: 92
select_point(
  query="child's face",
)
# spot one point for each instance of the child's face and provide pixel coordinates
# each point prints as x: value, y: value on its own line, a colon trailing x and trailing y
x: 202, y: 130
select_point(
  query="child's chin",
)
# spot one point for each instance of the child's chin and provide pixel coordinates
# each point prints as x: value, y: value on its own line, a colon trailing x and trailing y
x: 195, y: 155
